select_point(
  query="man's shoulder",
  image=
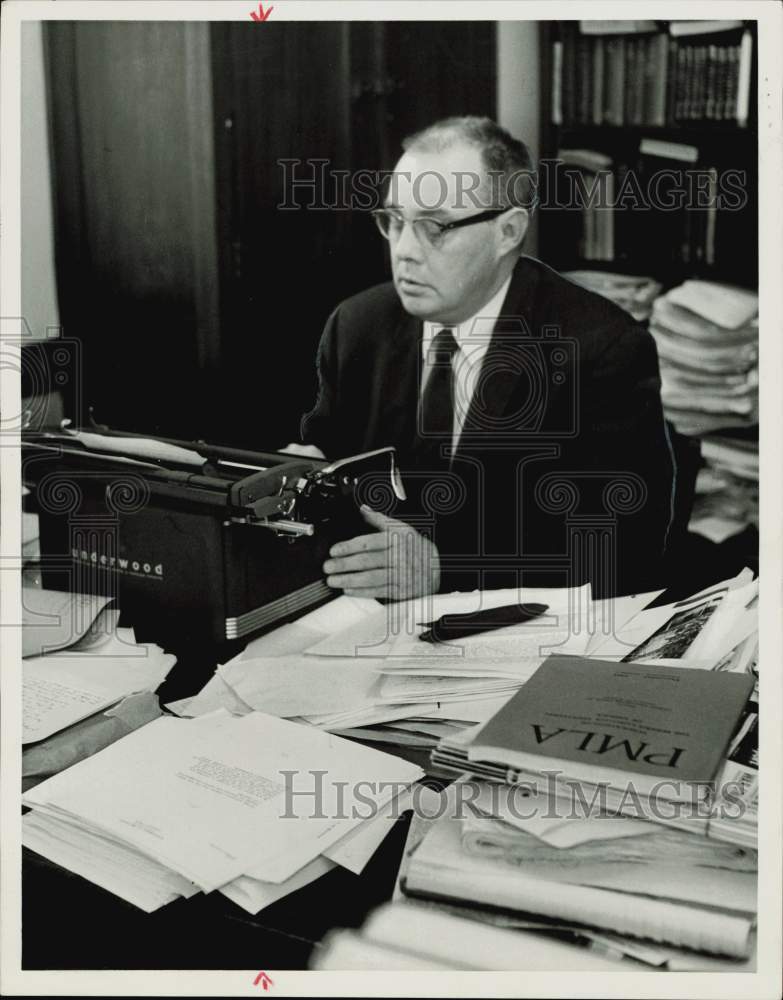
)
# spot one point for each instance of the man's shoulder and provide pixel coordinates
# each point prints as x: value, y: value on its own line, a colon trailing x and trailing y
x: 579, y: 312
x: 377, y: 303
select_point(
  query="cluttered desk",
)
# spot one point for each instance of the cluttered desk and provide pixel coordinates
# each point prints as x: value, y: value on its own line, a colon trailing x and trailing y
x: 490, y: 780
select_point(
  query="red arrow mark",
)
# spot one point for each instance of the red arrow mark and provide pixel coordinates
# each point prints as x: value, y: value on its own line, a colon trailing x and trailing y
x: 261, y: 16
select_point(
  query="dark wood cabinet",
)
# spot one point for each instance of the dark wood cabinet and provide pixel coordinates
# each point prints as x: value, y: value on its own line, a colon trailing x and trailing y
x: 198, y: 297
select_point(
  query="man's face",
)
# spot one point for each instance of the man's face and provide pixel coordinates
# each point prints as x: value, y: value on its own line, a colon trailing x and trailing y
x: 451, y: 282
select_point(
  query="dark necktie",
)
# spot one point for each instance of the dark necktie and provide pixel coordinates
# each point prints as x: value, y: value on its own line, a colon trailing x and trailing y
x: 436, y: 412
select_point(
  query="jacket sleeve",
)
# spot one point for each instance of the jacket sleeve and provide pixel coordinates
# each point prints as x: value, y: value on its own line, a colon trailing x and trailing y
x: 320, y: 425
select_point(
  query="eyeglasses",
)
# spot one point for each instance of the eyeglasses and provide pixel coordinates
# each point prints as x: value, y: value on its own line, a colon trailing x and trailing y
x: 429, y: 232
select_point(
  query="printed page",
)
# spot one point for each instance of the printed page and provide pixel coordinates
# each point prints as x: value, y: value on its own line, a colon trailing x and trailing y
x: 58, y: 691
x: 147, y: 788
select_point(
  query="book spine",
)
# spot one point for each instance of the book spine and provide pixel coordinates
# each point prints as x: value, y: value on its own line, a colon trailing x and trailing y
x: 615, y: 82
x: 597, y: 89
x: 618, y: 83
x: 687, y: 90
x: 726, y: 63
x: 588, y: 217
x: 610, y: 45
x: 659, y: 80
x: 630, y: 50
x: 583, y: 82
x: 557, y: 83
x: 686, y: 235
x: 620, y: 215
x: 648, y: 99
x: 687, y: 110
x: 712, y: 66
x: 679, y: 105
x: 699, y: 82
x: 568, y: 76
x: 712, y: 211
x: 608, y: 217
x: 731, y: 88
x: 698, y: 221
x: 743, y: 79
x: 671, y: 82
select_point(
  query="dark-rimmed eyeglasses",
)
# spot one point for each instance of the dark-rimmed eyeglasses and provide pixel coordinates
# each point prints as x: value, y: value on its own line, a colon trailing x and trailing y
x: 429, y: 232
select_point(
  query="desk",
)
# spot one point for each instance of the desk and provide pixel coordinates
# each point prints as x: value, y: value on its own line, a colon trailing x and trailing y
x: 68, y: 923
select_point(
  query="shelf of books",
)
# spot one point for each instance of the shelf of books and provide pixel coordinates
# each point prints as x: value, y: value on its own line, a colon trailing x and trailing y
x: 648, y: 195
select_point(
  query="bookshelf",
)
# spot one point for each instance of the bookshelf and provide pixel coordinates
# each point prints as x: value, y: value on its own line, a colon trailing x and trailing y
x: 676, y: 111
x: 648, y: 168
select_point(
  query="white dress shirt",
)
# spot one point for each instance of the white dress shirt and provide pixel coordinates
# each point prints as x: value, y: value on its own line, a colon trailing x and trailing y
x: 472, y: 336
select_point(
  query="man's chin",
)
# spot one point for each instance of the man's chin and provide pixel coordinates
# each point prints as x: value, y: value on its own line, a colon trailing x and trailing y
x: 422, y: 304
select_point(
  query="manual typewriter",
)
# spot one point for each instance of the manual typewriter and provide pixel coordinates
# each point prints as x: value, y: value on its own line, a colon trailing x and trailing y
x: 195, y: 541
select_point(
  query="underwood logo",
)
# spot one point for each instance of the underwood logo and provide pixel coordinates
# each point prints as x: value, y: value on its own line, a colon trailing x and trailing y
x: 133, y: 567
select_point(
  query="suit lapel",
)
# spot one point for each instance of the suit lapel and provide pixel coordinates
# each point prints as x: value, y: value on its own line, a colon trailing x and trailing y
x: 504, y: 366
x: 398, y: 389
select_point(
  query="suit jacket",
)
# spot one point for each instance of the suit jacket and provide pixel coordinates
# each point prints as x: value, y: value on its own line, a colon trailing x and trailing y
x: 563, y: 472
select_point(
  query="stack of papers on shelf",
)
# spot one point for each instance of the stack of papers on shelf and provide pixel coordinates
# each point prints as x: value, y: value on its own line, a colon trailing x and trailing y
x: 220, y: 802
x: 633, y: 293
x: 727, y: 487
x: 707, y: 337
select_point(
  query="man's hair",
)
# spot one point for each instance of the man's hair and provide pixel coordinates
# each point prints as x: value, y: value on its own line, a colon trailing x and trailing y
x: 507, y: 161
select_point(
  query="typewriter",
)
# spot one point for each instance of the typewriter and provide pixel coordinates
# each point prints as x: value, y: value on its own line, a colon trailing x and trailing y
x: 195, y: 541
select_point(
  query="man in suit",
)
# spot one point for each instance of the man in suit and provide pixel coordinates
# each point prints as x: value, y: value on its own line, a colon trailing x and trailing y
x: 525, y: 410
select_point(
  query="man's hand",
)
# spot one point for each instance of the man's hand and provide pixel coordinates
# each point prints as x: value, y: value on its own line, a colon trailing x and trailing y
x: 394, y: 562
x: 308, y: 450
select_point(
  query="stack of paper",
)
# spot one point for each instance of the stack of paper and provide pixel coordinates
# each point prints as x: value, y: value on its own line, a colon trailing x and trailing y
x: 54, y: 619
x: 727, y: 488
x: 717, y: 630
x: 634, y: 293
x: 360, y: 669
x: 707, y: 337
x: 276, y: 656
x: 634, y: 881
x: 99, y: 666
x: 253, y: 806
x: 410, y: 936
x: 457, y: 683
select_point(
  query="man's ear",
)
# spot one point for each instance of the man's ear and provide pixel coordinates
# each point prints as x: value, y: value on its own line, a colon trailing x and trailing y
x: 513, y: 226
